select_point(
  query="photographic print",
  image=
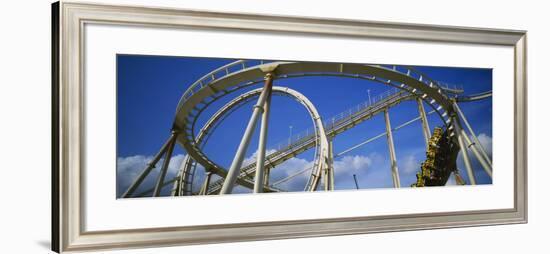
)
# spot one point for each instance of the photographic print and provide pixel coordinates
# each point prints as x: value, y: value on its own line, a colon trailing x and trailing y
x: 212, y: 126
x: 284, y: 128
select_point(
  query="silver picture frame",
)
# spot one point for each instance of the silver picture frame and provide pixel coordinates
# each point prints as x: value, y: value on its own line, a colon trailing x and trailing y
x: 68, y: 20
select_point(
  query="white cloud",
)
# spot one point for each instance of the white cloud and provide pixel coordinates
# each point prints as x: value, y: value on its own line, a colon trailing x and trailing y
x: 294, y: 165
x: 371, y: 170
x: 350, y: 165
x: 368, y: 168
x: 291, y: 167
x: 281, y: 171
x: 487, y: 142
x: 128, y: 168
x: 409, y: 164
x: 343, y: 168
x: 252, y: 158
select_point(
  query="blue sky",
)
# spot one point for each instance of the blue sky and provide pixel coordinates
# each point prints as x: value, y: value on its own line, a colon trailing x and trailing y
x: 149, y: 88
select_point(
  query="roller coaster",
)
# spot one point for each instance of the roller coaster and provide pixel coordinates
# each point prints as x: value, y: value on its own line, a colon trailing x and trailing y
x: 406, y: 83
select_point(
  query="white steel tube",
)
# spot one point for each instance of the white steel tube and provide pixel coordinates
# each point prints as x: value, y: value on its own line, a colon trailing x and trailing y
x: 393, y: 161
x: 476, y: 140
x: 148, y: 168
x: 424, y: 120
x: 165, y: 164
x: 477, y: 154
x: 330, y: 166
x: 260, y: 156
x: 235, y: 167
x: 464, y: 151
x: 204, y: 189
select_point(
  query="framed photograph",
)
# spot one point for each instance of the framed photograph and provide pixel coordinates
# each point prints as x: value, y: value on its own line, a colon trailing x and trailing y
x: 175, y: 127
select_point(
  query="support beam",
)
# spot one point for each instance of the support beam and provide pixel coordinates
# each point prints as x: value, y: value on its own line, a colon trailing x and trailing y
x: 204, y: 189
x: 393, y: 161
x: 488, y: 169
x: 291, y: 176
x: 331, y: 165
x: 148, y: 168
x: 379, y: 136
x: 464, y: 150
x: 165, y: 163
x: 329, y: 168
x: 424, y: 120
x: 260, y: 155
x: 266, y: 176
x: 355, y: 180
x: 176, y: 185
x: 181, y: 176
x: 315, y: 181
x: 235, y: 167
x: 474, y: 136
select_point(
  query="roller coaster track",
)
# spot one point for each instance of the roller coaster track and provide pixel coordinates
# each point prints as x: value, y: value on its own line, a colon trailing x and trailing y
x: 335, y: 126
x: 237, y: 75
x: 184, y: 186
x: 474, y: 97
x: 284, y: 151
x: 407, y: 84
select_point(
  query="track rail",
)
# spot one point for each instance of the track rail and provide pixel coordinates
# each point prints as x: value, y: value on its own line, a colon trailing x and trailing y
x: 333, y: 127
x: 407, y: 82
x: 243, y: 73
x: 183, y: 186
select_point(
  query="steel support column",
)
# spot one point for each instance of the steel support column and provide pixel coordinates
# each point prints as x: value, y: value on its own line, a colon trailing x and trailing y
x: 464, y: 150
x: 315, y: 181
x: 235, y: 167
x: 331, y: 165
x: 148, y: 168
x: 488, y: 169
x: 393, y: 161
x: 329, y: 169
x: 165, y: 163
x: 204, y: 189
x: 355, y: 180
x: 474, y: 136
x: 175, y: 186
x: 260, y: 155
x: 266, y: 176
x: 424, y: 120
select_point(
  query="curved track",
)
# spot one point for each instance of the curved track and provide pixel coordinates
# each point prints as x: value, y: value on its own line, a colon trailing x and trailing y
x: 407, y: 82
x: 184, y: 186
x: 228, y: 79
x: 334, y: 126
x: 474, y: 97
